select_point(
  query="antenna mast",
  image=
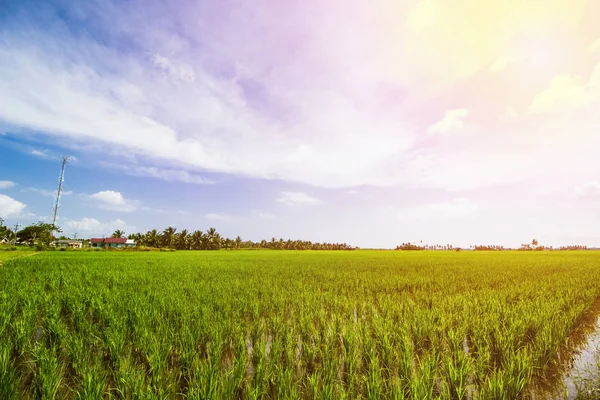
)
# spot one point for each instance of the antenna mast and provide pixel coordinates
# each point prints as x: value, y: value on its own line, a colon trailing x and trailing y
x: 61, y: 179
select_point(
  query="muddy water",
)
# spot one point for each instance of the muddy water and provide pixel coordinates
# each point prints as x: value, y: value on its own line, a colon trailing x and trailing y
x: 577, y: 371
x: 584, y: 371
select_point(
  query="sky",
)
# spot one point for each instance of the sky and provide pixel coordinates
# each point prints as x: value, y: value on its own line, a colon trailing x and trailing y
x: 373, y: 123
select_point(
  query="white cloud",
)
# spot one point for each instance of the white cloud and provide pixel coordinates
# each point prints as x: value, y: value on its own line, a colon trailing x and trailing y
x: 10, y: 207
x: 112, y: 200
x: 178, y: 70
x: 218, y: 217
x: 595, y: 47
x: 47, y: 192
x: 594, y: 82
x: 169, y: 175
x: 297, y: 198
x: 589, y: 191
x: 7, y: 184
x: 565, y: 93
x: 511, y: 113
x: 424, y: 15
x: 40, y: 153
x: 500, y: 64
x: 456, y: 208
x: 96, y: 227
x: 336, y: 113
x: 568, y: 92
x: 266, y: 215
x: 209, y: 122
x: 451, y: 122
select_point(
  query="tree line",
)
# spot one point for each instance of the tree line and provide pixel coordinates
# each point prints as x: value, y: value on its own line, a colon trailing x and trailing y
x: 39, y: 234
x: 42, y: 234
x: 212, y: 240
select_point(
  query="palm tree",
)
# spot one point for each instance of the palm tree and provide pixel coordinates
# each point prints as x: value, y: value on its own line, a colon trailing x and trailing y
x: 196, y: 240
x: 214, y: 239
x: 152, y: 238
x: 168, y: 235
x: 118, y: 233
x: 139, y: 239
x: 238, y: 242
x: 182, y: 240
x: 228, y: 243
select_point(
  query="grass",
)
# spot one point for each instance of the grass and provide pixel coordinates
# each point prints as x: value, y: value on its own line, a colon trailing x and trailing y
x: 6, y: 252
x: 326, y: 325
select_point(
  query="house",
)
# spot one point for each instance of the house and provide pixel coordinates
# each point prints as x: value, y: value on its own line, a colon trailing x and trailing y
x: 111, y: 242
x: 75, y: 244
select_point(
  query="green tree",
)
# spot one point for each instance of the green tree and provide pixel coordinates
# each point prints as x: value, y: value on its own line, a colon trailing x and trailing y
x: 168, y: 236
x: 118, y: 234
x: 214, y: 239
x: 152, y: 238
x: 182, y: 240
x: 197, y: 240
x: 38, y: 234
x: 5, y: 232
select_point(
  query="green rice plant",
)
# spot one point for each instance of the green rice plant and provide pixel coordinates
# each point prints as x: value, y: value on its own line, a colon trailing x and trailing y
x: 48, y: 373
x: 8, y: 374
x: 130, y: 380
x: 92, y: 385
x: 270, y: 325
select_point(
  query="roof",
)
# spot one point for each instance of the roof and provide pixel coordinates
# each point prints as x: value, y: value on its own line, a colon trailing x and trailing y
x: 108, y: 240
x: 62, y: 241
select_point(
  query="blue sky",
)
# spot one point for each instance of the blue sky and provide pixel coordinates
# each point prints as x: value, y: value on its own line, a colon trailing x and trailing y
x: 368, y: 123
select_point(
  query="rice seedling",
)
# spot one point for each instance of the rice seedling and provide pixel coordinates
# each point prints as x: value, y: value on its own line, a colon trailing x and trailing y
x: 272, y: 325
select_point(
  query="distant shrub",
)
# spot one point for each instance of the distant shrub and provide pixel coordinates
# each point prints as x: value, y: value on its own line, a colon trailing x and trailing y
x: 488, y: 248
x: 8, y: 248
x: 409, y: 246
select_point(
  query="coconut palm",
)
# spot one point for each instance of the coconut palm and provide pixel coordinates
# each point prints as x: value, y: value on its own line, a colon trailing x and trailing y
x: 196, y: 240
x: 118, y: 233
x: 214, y: 239
x: 152, y: 238
x: 182, y: 240
x: 168, y: 236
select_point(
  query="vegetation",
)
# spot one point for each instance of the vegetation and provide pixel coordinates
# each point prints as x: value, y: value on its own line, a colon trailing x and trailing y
x: 37, y: 234
x: 327, y: 325
x: 409, y: 246
x: 212, y: 240
x: 6, y: 234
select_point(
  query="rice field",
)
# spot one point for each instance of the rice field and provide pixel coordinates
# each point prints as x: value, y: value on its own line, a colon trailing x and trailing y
x: 287, y: 325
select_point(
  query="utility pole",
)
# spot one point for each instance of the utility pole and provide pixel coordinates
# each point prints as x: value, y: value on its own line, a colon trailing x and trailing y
x: 75, y: 235
x: 61, y: 179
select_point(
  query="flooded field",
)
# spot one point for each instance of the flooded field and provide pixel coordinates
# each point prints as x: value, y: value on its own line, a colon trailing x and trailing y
x: 575, y: 372
x: 322, y: 325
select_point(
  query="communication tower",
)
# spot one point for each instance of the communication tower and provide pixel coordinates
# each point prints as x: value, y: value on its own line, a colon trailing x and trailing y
x: 61, y: 180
